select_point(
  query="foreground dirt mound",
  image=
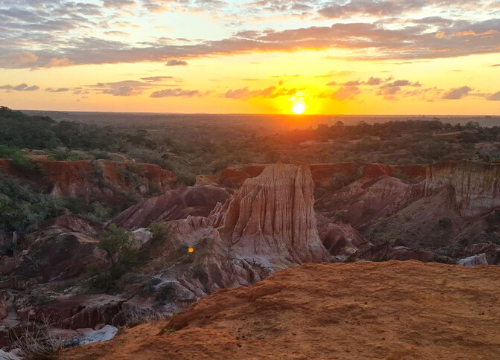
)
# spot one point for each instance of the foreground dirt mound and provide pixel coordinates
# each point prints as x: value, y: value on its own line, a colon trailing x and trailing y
x: 392, y: 310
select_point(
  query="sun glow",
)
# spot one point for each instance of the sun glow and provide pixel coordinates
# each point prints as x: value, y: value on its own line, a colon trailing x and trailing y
x: 299, y: 107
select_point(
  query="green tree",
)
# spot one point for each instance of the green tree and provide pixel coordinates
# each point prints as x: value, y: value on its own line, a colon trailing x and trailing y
x: 112, y: 241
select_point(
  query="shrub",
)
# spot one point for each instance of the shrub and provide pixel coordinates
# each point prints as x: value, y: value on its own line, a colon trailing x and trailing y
x: 115, y: 242
x: 160, y: 232
x: 18, y: 158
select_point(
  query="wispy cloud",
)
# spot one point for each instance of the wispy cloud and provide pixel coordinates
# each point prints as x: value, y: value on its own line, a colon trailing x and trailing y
x: 20, y: 87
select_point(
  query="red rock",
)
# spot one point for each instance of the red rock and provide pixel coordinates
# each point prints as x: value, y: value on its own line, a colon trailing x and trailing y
x: 172, y: 205
x: 272, y: 215
x: 86, y: 311
x: 103, y: 181
x: 72, y: 223
x: 3, y: 309
x: 476, y: 185
x: 235, y: 176
x: 366, y: 200
x: 374, y: 171
x: 340, y: 239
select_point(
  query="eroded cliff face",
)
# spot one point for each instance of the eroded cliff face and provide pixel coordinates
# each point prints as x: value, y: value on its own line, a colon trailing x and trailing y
x: 476, y: 185
x: 273, y: 215
x: 108, y: 182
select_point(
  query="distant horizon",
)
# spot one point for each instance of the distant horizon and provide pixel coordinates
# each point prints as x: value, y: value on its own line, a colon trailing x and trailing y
x: 260, y: 114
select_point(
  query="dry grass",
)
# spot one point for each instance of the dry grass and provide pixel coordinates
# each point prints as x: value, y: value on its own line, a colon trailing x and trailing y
x: 39, y: 344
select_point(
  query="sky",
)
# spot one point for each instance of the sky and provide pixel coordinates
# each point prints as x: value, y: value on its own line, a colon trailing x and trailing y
x: 428, y: 57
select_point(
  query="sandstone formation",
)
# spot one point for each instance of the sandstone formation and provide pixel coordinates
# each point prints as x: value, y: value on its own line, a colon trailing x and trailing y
x: 272, y: 215
x: 172, y: 205
x: 367, y: 199
x: 476, y: 185
x: 58, y: 253
x: 391, y: 310
x: 108, y: 182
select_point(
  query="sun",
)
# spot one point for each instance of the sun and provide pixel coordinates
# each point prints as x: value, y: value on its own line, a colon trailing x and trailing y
x: 299, y: 107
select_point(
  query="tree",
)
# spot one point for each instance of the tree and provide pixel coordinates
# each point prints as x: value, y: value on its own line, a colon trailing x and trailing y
x: 112, y: 241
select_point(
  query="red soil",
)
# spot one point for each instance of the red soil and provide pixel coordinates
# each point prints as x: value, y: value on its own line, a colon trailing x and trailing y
x: 393, y: 311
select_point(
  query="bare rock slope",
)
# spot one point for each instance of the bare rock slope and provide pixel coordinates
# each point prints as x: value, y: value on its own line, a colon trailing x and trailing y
x: 172, y: 205
x: 268, y: 224
x: 392, y: 310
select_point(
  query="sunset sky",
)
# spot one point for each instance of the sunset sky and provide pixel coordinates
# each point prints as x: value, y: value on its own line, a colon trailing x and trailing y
x: 243, y: 56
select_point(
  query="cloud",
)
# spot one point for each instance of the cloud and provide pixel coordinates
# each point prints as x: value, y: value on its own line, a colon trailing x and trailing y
x: 373, y: 81
x: 370, y: 8
x: 123, y: 88
x: 57, y: 90
x: 20, y: 87
x: 176, y: 93
x: 157, y: 78
x: 346, y: 93
x: 55, y: 62
x: 353, y: 83
x: 123, y: 91
x: 119, y: 3
x: 494, y: 97
x: 174, y: 62
x: 21, y: 59
x: 457, y: 93
x: 399, y: 84
x: 270, y: 92
x: 55, y: 33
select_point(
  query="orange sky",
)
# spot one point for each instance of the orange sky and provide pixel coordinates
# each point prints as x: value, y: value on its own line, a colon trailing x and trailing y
x: 200, y: 56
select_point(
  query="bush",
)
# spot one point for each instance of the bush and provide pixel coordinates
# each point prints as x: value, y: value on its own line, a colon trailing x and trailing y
x: 151, y: 157
x: 115, y: 242
x: 19, y: 159
x: 63, y: 154
x: 160, y: 232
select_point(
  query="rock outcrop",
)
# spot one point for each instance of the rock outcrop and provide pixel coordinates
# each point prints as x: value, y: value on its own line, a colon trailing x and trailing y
x: 172, y: 205
x: 368, y: 199
x: 475, y: 260
x: 110, y: 183
x: 340, y: 239
x: 272, y: 215
x: 476, y: 185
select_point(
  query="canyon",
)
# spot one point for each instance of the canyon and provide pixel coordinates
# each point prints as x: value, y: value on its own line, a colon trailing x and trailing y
x: 238, y: 229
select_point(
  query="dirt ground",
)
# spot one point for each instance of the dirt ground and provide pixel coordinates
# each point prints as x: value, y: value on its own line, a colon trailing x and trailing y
x: 392, y: 310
